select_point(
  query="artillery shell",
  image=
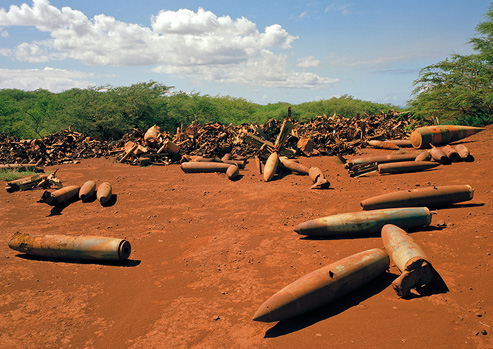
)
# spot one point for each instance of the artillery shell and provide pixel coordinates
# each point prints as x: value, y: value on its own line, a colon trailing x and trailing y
x: 323, y: 285
x: 364, y: 222
x: 73, y: 247
x: 429, y: 197
x: 383, y: 145
x: 463, y: 152
x: 424, y: 156
x: 104, y: 192
x: 232, y: 172
x: 60, y: 196
x: 314, y: 173
x: 451, y: 153
x: 409, y: 258
x: 293, y: 165
x: 381, y: 159
x: 204, y: 167
x: 438, y: 155
x: 87, y: 190
x: 403, y: 143
x: 271, y: 166
x: 423, y: 137
x: 406, y: 166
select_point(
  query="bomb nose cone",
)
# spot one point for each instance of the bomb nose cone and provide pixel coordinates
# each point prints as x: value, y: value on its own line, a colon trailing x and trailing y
x: 262, y: 314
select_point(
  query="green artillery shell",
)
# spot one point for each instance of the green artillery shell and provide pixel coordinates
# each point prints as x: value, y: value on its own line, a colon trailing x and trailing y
x: 406, y: 166
x: 451, y: 153
x: 324, y: 285
x: 463, y: 152
x: 424, y: 156
x: 438, y: 155
x: 271, y: 166
x: 429, y: 197
x: 204, y: 167
x: 73, y: 247
x: 408, y: 257
x: 87, y: 190
x: 293, y: 165
x: 61, y: 196
x: 383, y: 145
x: 232, y: 172
x: 364, y: 222
x: 104, y: 192
x: 423, y: 137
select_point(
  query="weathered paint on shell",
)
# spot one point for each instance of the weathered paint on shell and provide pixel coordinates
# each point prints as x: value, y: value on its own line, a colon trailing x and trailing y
x: 324, y: 285
x: 104, y: 192
x: 73, y: 247
x: 271, y: 166
x: 87, y: 190
x: 438, y: 155
x: 423, y: 137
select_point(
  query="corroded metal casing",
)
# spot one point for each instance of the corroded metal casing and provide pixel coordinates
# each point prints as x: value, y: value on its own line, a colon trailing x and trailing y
x: 87, y: 190
x: 314, y: 173
x: 451, y: 153
x: 409, y: 257
x: 406, y: 166
x: 424, y: 156
x: 293, y: 165
x: 463, y: 152
x: 438, y: 155
x: 423, y: 137
x: 381, y: 159
x: 204, y: 167
x: 271, y: 166
x: 361, y: 222
x: 61, y: 196
x: 72, y: 247
x: 429, y: 197
x: 104, y: 192
x: 383, y: 145
x: 324, y: 285
x: 403, y: 143
x: 232, y: 172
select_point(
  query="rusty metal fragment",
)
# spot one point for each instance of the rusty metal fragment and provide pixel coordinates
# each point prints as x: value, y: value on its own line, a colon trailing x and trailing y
x: 318, y: 179
x: 409, y: 258
x: 71, y: 247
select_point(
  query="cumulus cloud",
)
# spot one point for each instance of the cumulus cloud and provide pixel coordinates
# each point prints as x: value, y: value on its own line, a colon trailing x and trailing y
x: 55, y: 80
x: 308, y: 62
x: 181, y: 42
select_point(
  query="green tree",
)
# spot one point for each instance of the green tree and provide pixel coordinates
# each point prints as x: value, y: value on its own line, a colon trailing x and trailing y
x: 460, y: 89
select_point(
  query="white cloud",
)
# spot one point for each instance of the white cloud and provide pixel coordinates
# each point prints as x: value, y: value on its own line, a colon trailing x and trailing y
x: 51, y: 79
x: 180, y: 41
x: 336, y: 6
x: 308, y: 62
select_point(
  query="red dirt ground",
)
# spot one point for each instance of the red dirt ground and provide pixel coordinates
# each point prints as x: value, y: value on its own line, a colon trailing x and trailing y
x: 207, y: 252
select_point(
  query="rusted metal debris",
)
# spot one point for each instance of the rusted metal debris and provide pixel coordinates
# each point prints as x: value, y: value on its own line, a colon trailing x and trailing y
x: 42, y: 180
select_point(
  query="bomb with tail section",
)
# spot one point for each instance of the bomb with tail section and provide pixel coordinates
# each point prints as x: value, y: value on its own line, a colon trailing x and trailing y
x: 429, y: 197
x: 424, y: 137
x: 71, y: 247
x: 323, y: 286
x: 416, y: 270
x: 270, y: 168
x: 364, y: 222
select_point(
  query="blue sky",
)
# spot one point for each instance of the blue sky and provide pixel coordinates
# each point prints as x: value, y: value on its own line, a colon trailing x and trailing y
x: 263, y: 51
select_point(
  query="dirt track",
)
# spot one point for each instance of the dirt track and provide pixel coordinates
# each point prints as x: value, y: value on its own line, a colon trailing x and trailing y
x: 206, y: 252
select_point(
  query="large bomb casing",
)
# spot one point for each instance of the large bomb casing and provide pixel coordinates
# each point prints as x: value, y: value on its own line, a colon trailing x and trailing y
x: 361, y: 222
x: 324, y: 285
x: 71, y: 247
x: 429, y: 197
x: 271, y: 166
x: 293, y: 166
x: 104, y: 192
x: 409, y: 258
x: 232, y: 172
x: 406, y: 166
x: 381, y: 159
x: 404, y: 143
x: 198, y: 167
x: 60, y: 196
x: 423, y: 137
x: 87, y: 190
x: 383, y: 145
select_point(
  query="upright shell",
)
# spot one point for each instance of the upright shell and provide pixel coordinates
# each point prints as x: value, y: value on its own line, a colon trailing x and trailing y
x: 271, y: 166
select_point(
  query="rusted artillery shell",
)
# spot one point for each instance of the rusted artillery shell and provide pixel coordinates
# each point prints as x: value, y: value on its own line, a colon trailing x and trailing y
x: 271, y: 166
x: 73, y: 247
x: 239, y: 163
x: 403, y: 143
x: 424, y: 156
x: 226, y: 156
x: 293, y: 165
x: 438, y: 155
x: 406, y: 166
x: 104, y: 192
x: 87, y: 190
x: 314, y: 173
x: 429, y: 197
x: 381, y: 159
x: 463, y: 152
x: 323, y: 285
x: 383, y: 145
x: 451, y: 153
x: 204, y: 167
x: 60, y: 196
x: 408, y: 257
x: 232, y: 172
x: 423, y: 137
x: 361, y: 222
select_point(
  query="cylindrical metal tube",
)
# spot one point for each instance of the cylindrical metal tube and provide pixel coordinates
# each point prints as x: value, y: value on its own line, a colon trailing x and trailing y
x: 204, y: 167
x: 451, y: 153
x: 72, y: 247
x: 423, y: 137
x: 61, y: 196
x: 406, y: 166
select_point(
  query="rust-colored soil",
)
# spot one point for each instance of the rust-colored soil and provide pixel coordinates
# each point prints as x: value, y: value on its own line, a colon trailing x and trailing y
x: 207, y: 252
